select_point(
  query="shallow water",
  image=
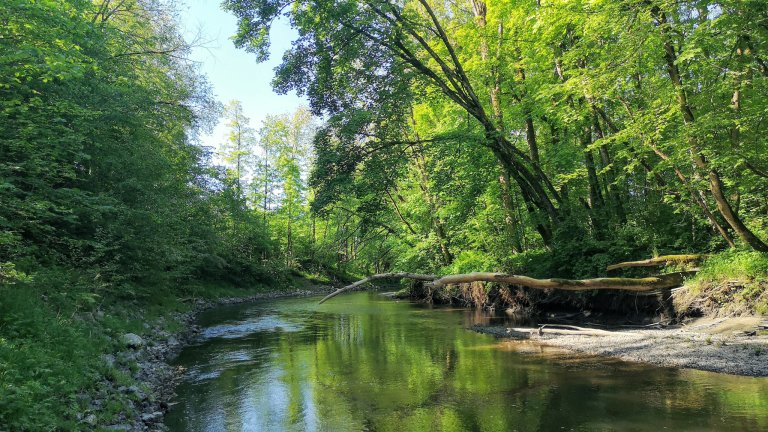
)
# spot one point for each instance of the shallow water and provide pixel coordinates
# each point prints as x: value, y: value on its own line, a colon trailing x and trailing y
x: 362, y: 362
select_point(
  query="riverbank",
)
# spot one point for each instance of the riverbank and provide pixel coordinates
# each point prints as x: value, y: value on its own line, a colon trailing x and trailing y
x: 76, y: 359
x: 737, y: 346
x: 156, y: 377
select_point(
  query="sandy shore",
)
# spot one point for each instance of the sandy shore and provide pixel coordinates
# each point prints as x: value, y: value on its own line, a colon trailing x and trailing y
x: 728, y: 345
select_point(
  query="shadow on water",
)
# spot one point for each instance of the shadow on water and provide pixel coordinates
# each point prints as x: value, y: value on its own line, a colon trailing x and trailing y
x: 364, y: 362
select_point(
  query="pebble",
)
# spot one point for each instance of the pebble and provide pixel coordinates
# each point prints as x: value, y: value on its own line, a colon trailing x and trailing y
x: 132, y: 340
x: 152, y: 417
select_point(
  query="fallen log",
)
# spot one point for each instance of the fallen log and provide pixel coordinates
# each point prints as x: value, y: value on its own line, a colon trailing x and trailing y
x: 658, y: 261
x: 414, y: 276
x: 625, y: 284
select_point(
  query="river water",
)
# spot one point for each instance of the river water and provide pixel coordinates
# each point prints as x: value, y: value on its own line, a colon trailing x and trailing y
x: 362, y: 362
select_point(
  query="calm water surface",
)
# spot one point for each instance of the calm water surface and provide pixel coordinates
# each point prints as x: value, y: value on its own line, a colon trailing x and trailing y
x: 365, y: 363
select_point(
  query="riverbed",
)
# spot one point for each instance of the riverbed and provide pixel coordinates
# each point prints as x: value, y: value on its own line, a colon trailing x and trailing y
x: 365, y: 362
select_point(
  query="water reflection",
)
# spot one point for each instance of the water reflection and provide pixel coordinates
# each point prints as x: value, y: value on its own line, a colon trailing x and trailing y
x: 363, y: 362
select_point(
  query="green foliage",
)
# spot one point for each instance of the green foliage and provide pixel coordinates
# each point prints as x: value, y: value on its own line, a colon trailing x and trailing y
x: 744, y: 266
x: 471, y: 261
x: 107, y: 203
x: 736, y: 279
x: 443, y: 120
x: 549, y: 140
x: 47, y: 352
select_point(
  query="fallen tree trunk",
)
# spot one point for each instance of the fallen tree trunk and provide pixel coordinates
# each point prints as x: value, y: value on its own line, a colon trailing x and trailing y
x: 625, y: 284
x: 658, y: 261
x: 414, y: 276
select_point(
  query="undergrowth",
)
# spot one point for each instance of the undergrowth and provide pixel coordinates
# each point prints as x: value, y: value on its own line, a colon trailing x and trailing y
x: 729, y: 283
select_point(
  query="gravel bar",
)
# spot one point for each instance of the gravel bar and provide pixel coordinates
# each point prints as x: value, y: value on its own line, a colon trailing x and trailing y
x: 730, y: 346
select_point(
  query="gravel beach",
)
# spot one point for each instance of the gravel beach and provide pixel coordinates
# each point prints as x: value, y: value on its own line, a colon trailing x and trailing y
x: 728, y: 345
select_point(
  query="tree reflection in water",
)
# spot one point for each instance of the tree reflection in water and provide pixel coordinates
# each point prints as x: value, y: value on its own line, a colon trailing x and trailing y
x: 363, y: 362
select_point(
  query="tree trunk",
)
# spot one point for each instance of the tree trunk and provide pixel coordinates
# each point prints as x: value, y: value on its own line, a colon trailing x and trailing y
x: 696, y: 195
x: 399, y: 214
x: 437, y: 222
x: 609, y: 178
x: 715, y: 182
x: 530, y: 138
x: 595, y: 197
x: 510, y: 219
x: 525, y: 170
x: 414, y: 276
x: 480, y: 10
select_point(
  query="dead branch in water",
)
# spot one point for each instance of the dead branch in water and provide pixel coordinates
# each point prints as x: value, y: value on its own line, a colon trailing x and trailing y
x: 414, y: 276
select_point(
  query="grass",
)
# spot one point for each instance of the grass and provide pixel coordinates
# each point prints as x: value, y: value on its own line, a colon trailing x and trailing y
x: 733, y: 282
x: 737, y: 265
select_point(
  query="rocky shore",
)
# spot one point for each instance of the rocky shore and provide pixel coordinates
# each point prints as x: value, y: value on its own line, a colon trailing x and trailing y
x: 146, y: 359
x: 737, y: 346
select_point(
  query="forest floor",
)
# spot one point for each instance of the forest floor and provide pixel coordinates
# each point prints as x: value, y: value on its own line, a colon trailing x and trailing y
x: 736, y: 345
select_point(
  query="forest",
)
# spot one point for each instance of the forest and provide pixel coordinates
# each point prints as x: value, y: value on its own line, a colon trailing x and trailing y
x: 476, y: 135
x: 546, y: 138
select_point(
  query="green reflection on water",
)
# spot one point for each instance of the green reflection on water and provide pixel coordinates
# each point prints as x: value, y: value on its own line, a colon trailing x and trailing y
x: 363, y: 362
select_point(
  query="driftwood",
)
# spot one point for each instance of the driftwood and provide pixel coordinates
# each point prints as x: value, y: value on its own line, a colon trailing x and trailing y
x: 625, y: 284
x: 548, y: 329
x: 658, y: 261
x: 573, y: 330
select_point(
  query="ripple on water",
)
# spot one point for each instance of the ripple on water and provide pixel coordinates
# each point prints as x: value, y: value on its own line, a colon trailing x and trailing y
x: 199, y: 376
x: 223, y: 361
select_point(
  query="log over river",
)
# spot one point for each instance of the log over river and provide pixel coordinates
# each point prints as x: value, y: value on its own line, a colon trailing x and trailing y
x: 367, y: 363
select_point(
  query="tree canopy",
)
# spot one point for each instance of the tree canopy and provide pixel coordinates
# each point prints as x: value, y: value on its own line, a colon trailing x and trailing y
x: 488, y: 130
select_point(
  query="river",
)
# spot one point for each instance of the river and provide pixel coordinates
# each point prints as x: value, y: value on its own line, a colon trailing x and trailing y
x: 363, y: 362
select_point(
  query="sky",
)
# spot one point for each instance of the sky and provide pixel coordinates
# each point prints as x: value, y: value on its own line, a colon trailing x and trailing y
x: 234, y: 73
